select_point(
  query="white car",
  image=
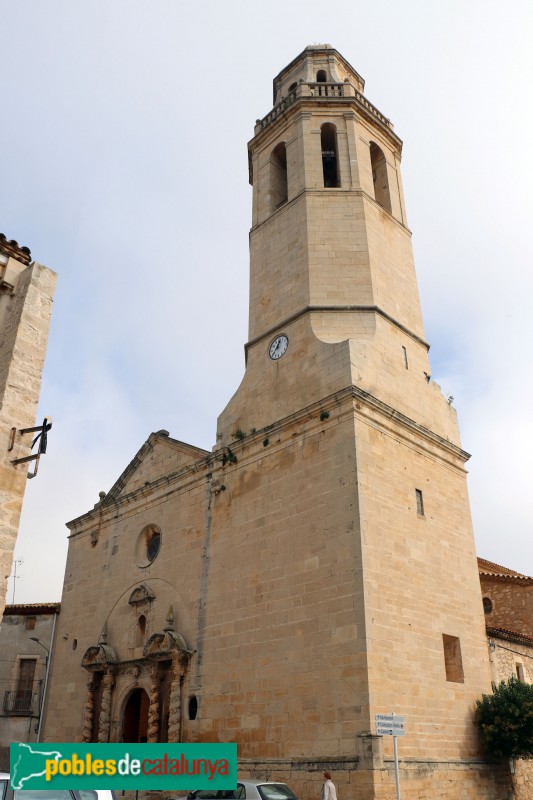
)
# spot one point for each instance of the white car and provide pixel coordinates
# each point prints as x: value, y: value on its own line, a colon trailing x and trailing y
x: 7, y: 793
x: 246, y: 790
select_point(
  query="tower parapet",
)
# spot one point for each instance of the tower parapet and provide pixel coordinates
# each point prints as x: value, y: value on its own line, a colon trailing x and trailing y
x: 320, y: 71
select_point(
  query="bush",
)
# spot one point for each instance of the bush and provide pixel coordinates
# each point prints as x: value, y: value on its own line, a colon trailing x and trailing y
x: 505, y: 720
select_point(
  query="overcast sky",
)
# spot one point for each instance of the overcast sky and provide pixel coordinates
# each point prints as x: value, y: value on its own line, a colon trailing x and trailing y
x: 124, y: 168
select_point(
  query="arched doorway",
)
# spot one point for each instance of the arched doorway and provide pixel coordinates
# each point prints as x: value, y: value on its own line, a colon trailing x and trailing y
x: 135, y: 719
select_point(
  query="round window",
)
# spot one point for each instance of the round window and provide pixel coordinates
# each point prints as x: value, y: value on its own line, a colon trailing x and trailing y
x: 487, y: 605
x: 148, y: 545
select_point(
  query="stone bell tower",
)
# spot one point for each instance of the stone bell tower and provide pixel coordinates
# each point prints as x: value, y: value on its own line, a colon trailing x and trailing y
x: 355, y: 488
x: 331, y: 257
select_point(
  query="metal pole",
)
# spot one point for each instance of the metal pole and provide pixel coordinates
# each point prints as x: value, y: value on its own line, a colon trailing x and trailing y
x: 46, y: 671
x: 48, y: 664
x: 396, y: 768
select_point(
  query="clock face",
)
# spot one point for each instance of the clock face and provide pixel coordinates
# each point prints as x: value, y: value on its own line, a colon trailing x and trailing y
x: 278, y: 347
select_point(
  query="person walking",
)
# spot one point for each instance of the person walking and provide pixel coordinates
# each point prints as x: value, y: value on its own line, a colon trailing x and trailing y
x: 328, y: 788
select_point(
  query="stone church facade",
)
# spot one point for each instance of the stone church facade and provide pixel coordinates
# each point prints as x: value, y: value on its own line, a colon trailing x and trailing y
x: 318, y: 566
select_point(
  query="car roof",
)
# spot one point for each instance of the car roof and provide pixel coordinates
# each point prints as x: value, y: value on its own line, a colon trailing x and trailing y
x: 250, y: 784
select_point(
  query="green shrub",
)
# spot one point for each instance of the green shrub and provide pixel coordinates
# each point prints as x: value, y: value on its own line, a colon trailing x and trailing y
x: 505, y: 720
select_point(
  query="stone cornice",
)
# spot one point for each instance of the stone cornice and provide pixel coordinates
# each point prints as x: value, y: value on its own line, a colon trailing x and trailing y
x: 334, y: 309
x: 410, y: 425
x: 307, y: 763
x: 356, y: 101
x: 100, y: 514
x: 213, y: 462
x: 138, y: 459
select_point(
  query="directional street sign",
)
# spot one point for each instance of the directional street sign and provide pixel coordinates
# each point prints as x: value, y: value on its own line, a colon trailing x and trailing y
x: 390, y: 725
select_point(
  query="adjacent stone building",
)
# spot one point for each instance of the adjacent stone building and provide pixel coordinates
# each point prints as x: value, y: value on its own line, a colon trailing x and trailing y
x: 26, y: 292
x: 508, y: 605
x: 507, y: 598
x: 26, y: 644
x: 317, y: 567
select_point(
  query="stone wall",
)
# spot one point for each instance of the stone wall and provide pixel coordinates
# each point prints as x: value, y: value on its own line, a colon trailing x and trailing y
x: 512, y: 602
x: 522, y: 779
x: 26, y: 294
x: 419, y: 780
x: 506, y: 656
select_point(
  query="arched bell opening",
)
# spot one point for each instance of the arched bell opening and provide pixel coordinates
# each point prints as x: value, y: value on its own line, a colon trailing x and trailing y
x: 330, y: 160
x: 279, y: 190
x: 380, y: 177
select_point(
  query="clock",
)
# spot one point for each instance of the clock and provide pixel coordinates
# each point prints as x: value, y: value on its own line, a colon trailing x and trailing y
x: 278, y: 347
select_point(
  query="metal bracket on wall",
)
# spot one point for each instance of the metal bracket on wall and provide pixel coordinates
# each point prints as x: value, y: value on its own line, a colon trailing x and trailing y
x: 42, y: 438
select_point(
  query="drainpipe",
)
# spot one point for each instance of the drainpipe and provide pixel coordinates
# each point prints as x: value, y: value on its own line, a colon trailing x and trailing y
x: 49, y: 661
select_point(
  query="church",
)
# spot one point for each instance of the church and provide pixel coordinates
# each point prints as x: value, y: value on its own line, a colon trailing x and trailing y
x: 317, y: 567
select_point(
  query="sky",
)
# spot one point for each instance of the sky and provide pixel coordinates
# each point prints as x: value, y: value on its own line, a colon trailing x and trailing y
x: 124, y: 169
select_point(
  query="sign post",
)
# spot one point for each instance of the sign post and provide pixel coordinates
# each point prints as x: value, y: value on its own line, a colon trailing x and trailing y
x: 392, y: 725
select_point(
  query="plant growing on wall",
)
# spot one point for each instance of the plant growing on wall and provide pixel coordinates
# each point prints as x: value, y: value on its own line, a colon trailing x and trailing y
x: 229, y: 457
x: 505, y: 720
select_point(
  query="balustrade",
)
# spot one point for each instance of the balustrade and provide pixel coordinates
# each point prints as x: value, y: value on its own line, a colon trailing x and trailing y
x: 325, y: 90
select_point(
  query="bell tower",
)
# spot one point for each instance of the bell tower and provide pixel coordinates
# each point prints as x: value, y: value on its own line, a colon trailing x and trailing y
x: 350, y: 518
x: 331, y: 264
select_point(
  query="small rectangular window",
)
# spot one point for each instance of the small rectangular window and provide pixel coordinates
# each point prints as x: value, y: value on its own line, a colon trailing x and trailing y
x: 405, y: 361
x: 419, y: 502
x: 520, y: 673
x: 30, y: 623
x: 453, y: 661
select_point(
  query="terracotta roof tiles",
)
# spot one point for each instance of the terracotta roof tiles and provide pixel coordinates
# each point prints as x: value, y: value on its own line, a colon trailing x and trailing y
x: 492, y: 570
x: 32, y: 608
x: 13, y: 249
x: 512, y: 636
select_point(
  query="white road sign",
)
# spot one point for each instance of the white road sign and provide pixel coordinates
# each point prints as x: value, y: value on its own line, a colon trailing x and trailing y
x: 390, y: 725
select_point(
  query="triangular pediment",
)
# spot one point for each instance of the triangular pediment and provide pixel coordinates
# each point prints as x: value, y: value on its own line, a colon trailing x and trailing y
x: 159, y: 457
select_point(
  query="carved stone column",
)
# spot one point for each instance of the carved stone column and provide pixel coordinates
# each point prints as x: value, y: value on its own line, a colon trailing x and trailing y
x: 154, y: 709
x: 174, y: 709
x: 105, y: 710
x: 88, y: 712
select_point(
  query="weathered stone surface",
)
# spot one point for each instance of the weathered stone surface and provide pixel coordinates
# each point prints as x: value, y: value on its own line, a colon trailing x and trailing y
x: 26, y: 293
